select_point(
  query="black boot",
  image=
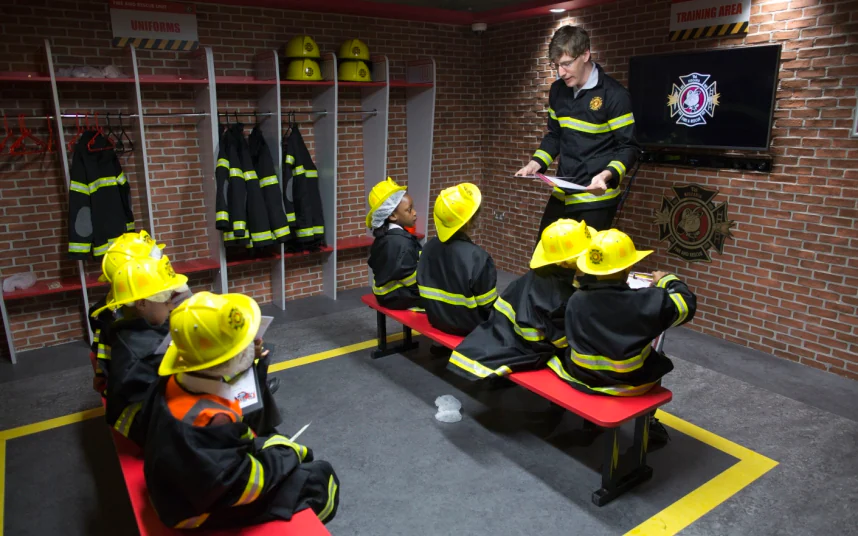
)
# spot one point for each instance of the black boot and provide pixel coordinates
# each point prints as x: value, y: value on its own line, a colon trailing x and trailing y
x: 273, y: 384
x: 658, y: 436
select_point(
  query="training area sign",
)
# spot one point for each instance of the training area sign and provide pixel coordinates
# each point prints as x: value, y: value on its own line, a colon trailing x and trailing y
x: 695, y: 19
x: 154, y: 25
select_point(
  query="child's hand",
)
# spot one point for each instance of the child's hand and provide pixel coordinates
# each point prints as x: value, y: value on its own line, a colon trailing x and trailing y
x: 656, y: 276
x: 258, y: 350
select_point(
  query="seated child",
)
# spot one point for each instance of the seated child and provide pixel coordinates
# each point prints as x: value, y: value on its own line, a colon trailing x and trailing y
x: 204, y: 465
x: 394, y: 253
x: 525, y: 329
x: 456, y: 277
x: 610, y: 326
x: 143, y: 287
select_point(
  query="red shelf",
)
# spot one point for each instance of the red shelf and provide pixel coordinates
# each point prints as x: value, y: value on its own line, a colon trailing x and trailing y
x: 325, y: 249
x: 24, y: 77
x: 95, y: 80
x: 43, y: 288
x: 195, y: 266
x: 251, y: 260
x: 363, y: 84
x: 403, y: 83
x: 162, y: 79
x: 243, y: 81
x: 306, y: 82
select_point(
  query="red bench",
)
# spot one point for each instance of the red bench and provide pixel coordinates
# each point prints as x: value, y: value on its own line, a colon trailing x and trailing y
x: 304, y: 523
x: 605, y: 411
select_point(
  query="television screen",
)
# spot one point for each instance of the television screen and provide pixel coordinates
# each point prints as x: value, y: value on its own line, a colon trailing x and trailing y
x: 715, y: 98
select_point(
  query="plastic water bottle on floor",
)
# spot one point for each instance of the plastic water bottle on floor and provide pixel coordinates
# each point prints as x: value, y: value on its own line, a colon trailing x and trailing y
x: 448, y: 409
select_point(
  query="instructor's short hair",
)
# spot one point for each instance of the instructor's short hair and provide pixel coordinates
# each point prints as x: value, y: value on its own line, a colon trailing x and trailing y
x: 571, y: 40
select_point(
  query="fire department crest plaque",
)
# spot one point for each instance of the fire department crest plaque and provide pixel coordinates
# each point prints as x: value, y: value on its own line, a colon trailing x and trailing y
x: 692, y: 224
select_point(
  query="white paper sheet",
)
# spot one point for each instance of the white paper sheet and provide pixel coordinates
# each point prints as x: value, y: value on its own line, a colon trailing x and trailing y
x: 556, y: 181
x: 639, y: 280
x: 244, y: 388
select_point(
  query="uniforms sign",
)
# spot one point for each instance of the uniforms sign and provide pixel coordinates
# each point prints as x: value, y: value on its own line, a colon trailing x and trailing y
x: 154, y: 25
x: 692, y: 224
x: 693, y: 19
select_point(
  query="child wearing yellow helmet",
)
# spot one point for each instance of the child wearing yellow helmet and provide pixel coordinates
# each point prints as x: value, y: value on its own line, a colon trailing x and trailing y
x: 525, y: 327
x: 457, y: 278
x: 199, y: 439
x: 143, y: 288
x: 394, y: 253
x: 610, y: 326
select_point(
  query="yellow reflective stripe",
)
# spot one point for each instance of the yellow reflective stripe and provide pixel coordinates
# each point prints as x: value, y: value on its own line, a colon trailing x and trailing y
x: 447, y: 297
x: 619, y: 166
x: 248, y: 434
x: 290, y: 159
x: 283, y: 441
x: 332, y: 499
x: 319, y: 229
x: 255, y: 483
x: 227, y: 236
x: 121, y: 178
x: 528, y: 334
x: 575, y: 199
x: 561, y: 342
x: 622, y: 121
x: 102, y: 183
x: 312, y: 173
x: 223, y: 162
x: 393, y: 285
x: 303, y: 233
x: 545, y: 157
x: 102, y: 249
x: 96, y: 335
x: 616, y: 390
x: 192, y: 522
x: 222, y: 215
x: 475, y: 368
x: 298, y: 170
x: 260, y: 237
x: 551, y: 114
x: 77, y: 247
x: 239, y: 225
x: 681, y: 308
x: 583, y: 126
x: 488, y: 297
x: 268, y: 181
x: 123, y: 423
x: 103, y: 351
x: 281, y: 232
x: 250, y: 175
x: 79, y: 187
x: 290, y: 217
x: 662, y: 283
x: 600, y: 362
x: 129, y: 226
x: 236, y: 172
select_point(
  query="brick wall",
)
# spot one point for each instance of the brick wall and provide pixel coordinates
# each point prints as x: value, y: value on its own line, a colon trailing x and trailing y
x: 80, y: 34
x: 786, y: 283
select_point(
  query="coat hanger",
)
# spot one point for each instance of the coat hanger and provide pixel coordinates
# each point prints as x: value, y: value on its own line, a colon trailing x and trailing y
x: 99, y: 133
x: 8, y: 133
x: 19, y: 147
x: 124, y: 139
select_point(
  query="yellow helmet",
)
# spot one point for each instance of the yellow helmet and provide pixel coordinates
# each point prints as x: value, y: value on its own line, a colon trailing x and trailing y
x: 610, y: 252
x: 302, y: 46
x: 354, y: 71
x: 141, y: 279
x: 379, y: 194
x: 454, y: 207
x: 353, y: 49
x: 209, y: 329
x: 305, y: 69
x: 126, y: 247
x: 562, y: 241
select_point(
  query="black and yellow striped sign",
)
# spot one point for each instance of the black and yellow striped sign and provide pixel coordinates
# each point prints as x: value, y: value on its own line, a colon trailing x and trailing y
x: 720, y: 30
x: 155, y: 44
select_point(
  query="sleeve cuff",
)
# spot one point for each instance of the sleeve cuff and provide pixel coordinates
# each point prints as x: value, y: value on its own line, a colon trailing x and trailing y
x: 543, y: 157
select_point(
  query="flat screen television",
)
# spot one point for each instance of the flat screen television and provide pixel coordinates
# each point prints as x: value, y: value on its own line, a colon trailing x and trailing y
x: 718, y: 99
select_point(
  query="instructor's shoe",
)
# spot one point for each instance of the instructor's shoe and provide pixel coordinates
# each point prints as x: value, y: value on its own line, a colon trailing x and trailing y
x: 273, y: 385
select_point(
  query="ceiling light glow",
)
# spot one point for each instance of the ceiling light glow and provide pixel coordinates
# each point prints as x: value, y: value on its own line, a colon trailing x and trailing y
x: 557, y: 10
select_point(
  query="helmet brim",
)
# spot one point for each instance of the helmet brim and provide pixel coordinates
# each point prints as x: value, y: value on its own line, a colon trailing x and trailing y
x: 587, y: 266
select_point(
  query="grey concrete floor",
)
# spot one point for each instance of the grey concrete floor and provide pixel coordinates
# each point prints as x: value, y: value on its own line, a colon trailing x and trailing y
x: 496, y: 472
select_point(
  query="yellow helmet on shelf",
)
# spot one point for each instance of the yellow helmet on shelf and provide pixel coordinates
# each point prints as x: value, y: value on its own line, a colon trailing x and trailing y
x: 302, y: 46
x: 126, y: 247
x: 142, y: 279
x: 305, y: 69
x: 610, y: 252
x: 562, y: 241
x: 454, y: 207
x: 354, y: 71
x: 209, y: 329
x: 379, y: 194
x: 354, y: 49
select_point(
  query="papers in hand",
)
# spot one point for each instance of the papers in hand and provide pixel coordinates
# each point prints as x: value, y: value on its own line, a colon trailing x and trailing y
x: 556, y: 181
x: 639, y: 280
x: 263, y: 327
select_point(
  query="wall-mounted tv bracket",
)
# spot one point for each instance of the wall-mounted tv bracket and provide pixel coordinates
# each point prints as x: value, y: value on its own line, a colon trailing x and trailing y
x: 696, y: 159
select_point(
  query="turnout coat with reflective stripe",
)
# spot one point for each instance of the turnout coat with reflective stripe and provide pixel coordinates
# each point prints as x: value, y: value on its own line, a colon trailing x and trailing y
x: 524, y: 330
x: 393, y: 259
x: 231, y: 200
x: 99, y: 199
x: 269, y: 184
x: 307, y: 219
x: 100, y: 346
x: 610, y: 328
x: 590, y: 133
x: 132, y: 372
x: 257, y: 215
x: 457, y: 282
x: 220, y: 476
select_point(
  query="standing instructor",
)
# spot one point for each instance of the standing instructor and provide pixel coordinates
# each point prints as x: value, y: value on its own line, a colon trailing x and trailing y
x: 591, y: 129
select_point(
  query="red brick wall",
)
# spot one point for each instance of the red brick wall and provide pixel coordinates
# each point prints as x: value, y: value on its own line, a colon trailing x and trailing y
x: 786, y: 283
x: 80, y: 33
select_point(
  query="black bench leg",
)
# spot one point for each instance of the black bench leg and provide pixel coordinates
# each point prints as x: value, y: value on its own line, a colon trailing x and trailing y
x: 383, y: 349
x: 617, y: 477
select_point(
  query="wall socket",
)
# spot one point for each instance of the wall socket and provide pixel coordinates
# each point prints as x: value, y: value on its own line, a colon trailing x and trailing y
x: 500, y: 216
